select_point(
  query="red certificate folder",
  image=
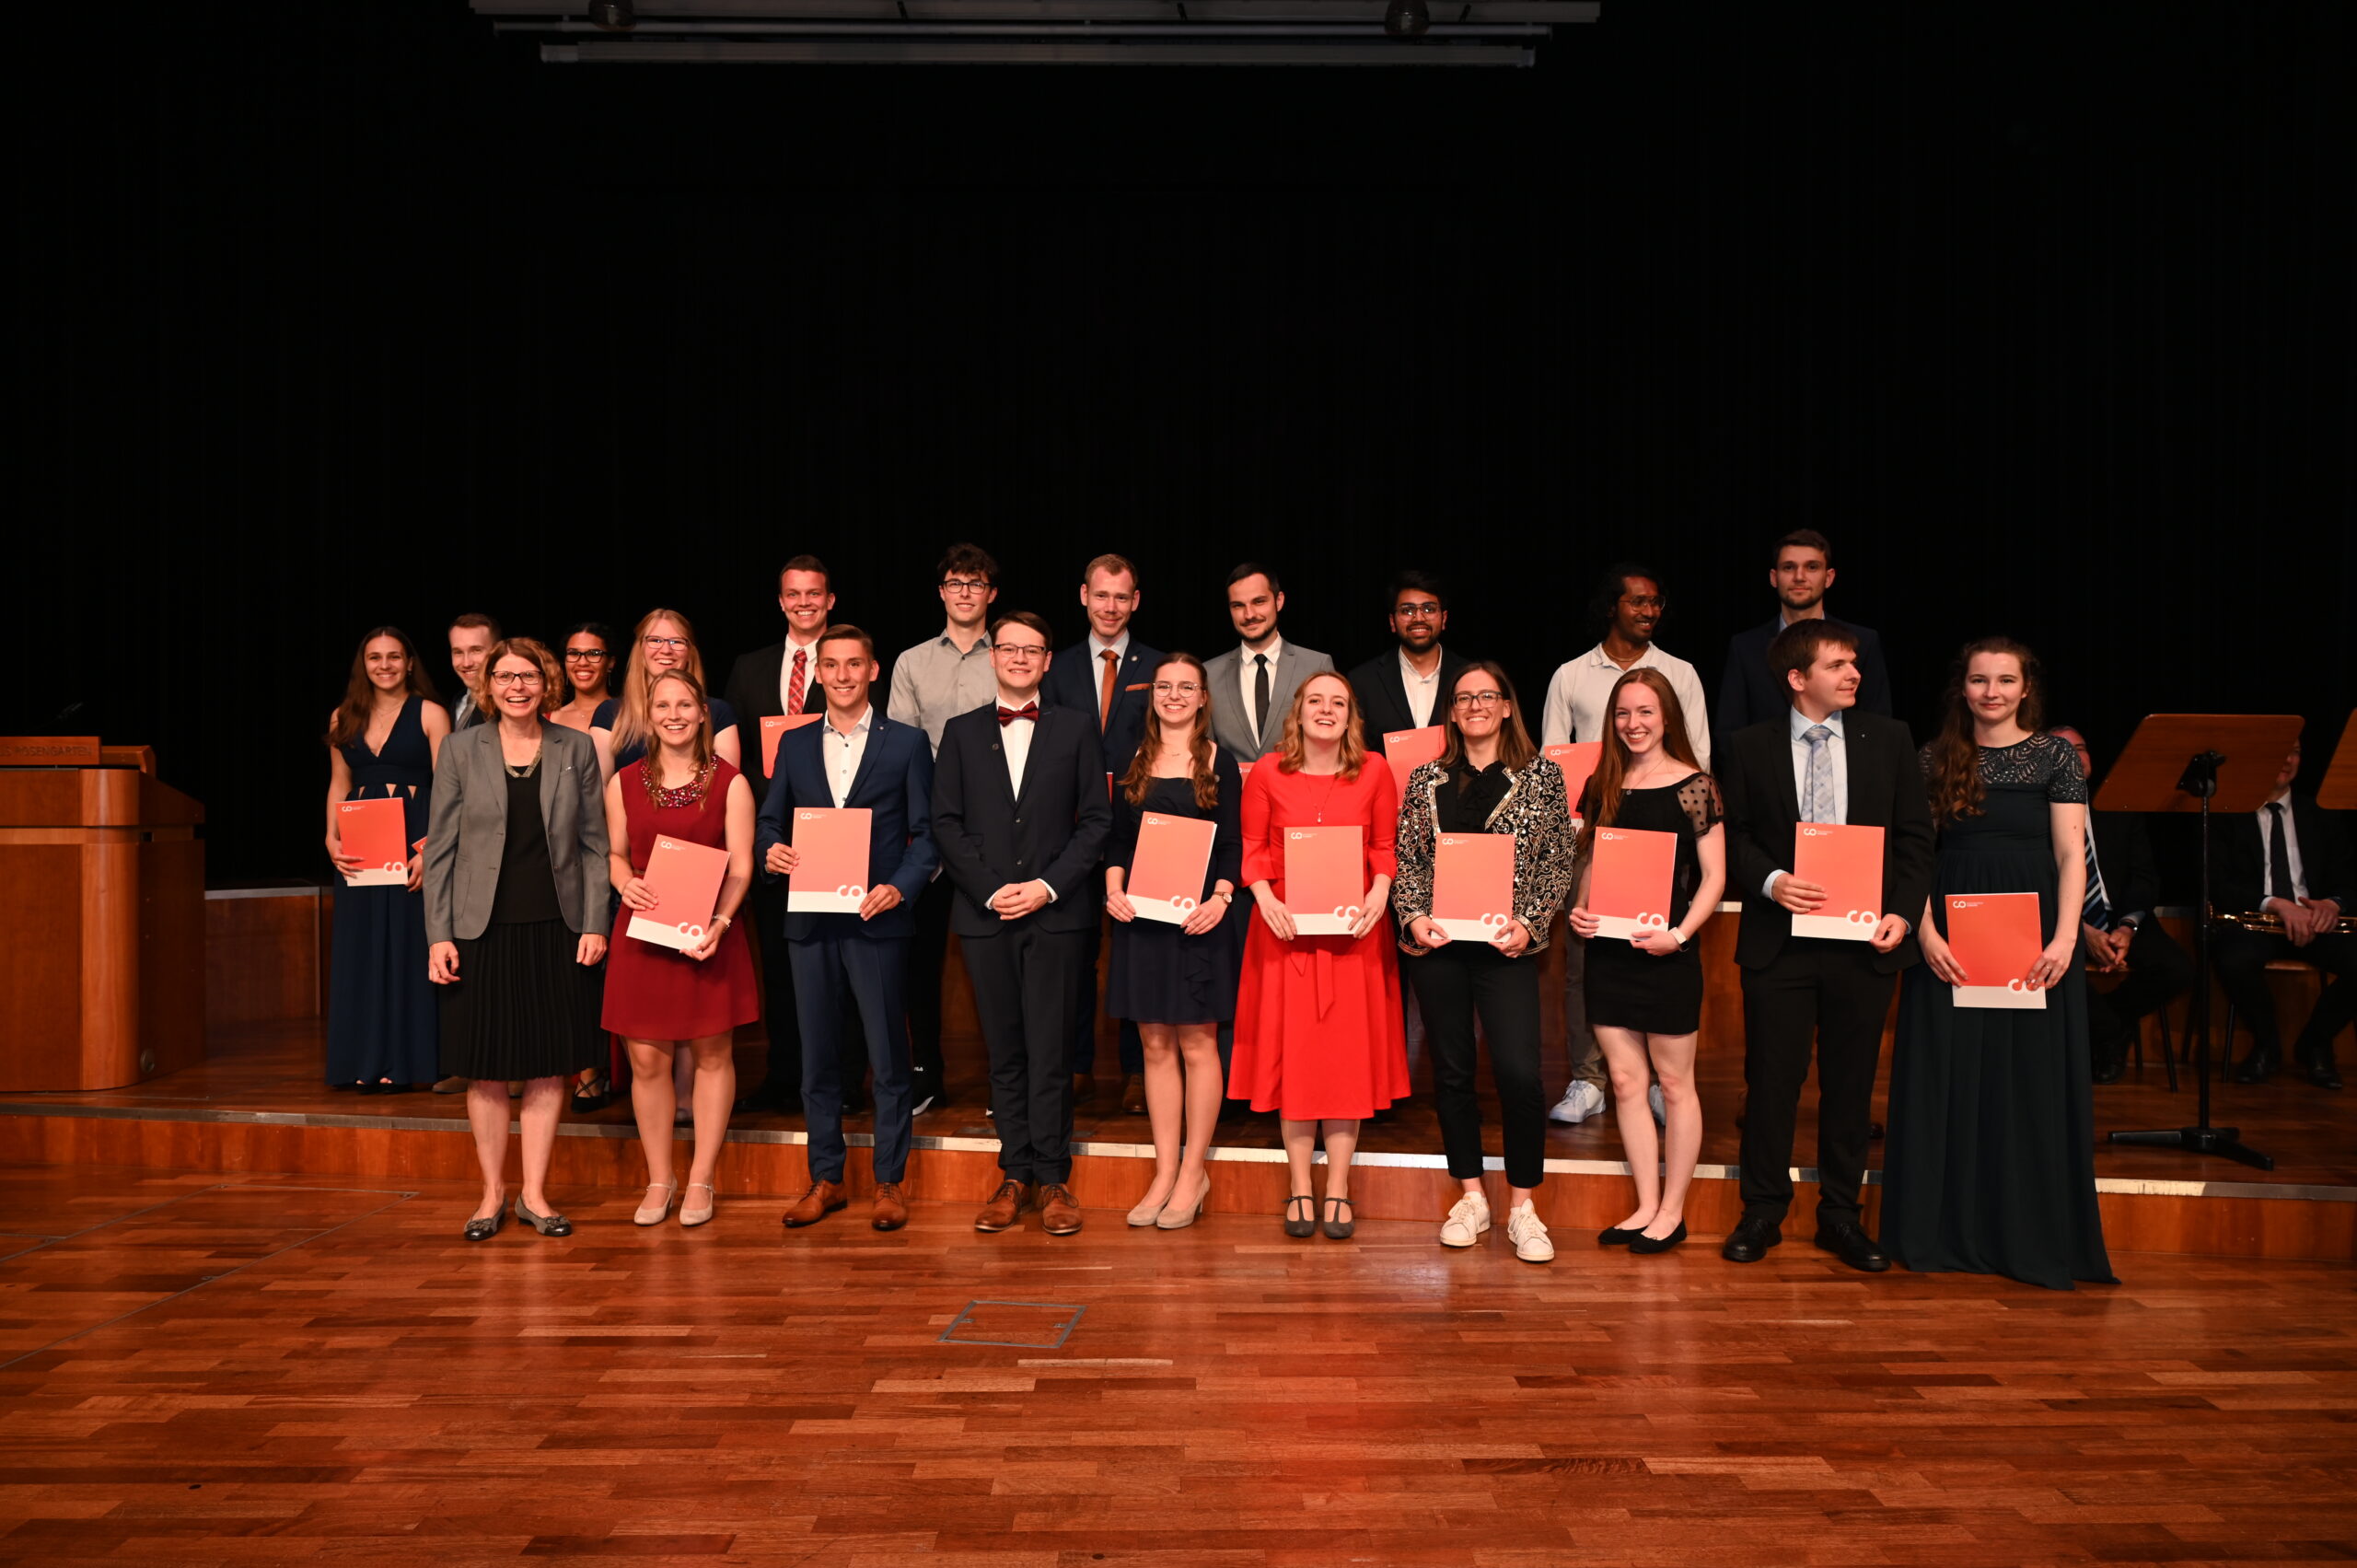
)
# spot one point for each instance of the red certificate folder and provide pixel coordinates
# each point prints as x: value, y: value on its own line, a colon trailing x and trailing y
x: 1995, y: 940
x: 774, y: 728
x: 685, y: 879
x: 1406, y: 750
x: 1473, y: 886
x: 375, y: 831
x: 1578, y: 761
x: 1846, y: 861
x: 1166, y: 881
x: 831, y: 877
x: 1629, y: 881
x: 1325, y: 879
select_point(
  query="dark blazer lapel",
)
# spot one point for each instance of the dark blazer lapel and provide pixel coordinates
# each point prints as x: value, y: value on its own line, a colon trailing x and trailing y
x: 1788, y: 794
x: 552, y: 791
x: 1042, y: 729
x: 876, y: 742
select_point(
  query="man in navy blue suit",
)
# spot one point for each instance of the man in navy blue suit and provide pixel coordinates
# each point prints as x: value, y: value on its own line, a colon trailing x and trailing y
x: 854, y: 756
x: 1749, y: 691
x: 1108, y: 674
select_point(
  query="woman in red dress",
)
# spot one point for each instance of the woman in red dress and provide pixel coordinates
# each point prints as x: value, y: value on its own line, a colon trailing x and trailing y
x: 663, y: 1000
x: 1319, y: 1036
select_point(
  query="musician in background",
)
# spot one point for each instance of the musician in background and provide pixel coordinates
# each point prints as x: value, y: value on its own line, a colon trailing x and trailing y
x: 2119, y: 930
x: 2289, y: 859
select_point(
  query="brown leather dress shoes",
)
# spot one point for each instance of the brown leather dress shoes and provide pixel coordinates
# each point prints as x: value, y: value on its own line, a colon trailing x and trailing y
x: 1059, y: 1214
x: 891, y: 1211
x: 1005, y: 1204
x: 1133, y: 1095
x: 823, y: 1199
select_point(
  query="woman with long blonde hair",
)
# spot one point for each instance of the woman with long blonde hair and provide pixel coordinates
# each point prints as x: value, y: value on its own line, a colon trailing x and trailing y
x: 623, y: 726
x: 1318, y: 1034
x: 1177, y: 982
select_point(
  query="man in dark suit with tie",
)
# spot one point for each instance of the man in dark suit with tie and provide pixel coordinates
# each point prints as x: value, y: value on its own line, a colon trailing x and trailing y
x: 1020, y: 814
x: 1408, y: 685
x: 1108, y: 674
x: 1822, y: 762
x: 2118, y: 931
x: 767, y: 683
x: 2290, y: 859
x: 854, y: 757
x: 1801, y: 570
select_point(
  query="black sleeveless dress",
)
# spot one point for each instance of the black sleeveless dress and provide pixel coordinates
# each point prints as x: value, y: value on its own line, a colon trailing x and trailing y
x: 1628, y: 989
x: 1991, y: 1168
x: 383, y: 1024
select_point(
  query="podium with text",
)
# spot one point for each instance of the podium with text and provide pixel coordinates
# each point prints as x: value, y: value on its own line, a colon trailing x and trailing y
x: 102, y: 926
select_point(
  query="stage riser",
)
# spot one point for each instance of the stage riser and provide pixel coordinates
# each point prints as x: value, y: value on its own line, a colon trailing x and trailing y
x: 1575, y: 1205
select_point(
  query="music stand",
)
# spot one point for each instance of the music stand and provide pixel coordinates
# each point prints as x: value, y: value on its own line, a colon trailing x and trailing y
x: 2336, y: 789
x: 2183, y: 762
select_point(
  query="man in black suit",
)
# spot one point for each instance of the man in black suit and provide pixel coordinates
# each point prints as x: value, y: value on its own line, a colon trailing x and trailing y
x: 2118, y: 931
x: 1408, y: 685
x: 1823, y: 762
x: 1020, y: 815
x: 778, y: 680
x: 2290, y: 858
x: 1750, y: 692
x: 1109, y: 674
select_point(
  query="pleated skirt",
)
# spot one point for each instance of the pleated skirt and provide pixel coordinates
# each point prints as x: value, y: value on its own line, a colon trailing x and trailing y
x: 522, y: 1008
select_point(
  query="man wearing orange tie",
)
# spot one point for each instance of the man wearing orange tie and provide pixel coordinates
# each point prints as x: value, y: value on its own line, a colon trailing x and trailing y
x: 1109, y: 673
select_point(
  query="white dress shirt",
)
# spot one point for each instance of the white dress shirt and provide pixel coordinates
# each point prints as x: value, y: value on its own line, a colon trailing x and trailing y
x: 1098, y: 648
x: 1014, y: 738
x: 785, y: 673
x: 2291, y: 848
x: 841, y: 750
x: 1836, y: 757
x: 1249, y: 672
x: 1580, y: 688
x: 1423, y: 690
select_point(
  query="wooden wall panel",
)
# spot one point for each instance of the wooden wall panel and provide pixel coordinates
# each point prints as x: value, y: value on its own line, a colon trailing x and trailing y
x: 265, y: 958
x: 41, y: 960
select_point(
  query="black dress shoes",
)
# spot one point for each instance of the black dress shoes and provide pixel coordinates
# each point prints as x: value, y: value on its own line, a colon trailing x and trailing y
x: 2110, y: 1063
x: 2259, y: 1067
x: 1644, y: 1245
x: 2320, y: 1068
x: 1850, y: 1243
x: 1749, y: 1242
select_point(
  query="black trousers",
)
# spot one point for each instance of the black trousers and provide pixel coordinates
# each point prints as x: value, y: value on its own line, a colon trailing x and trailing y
x: 780, y: 1017
x: 1023, y: 990
x: 2158, y: 973
x: 928, y: 947
x: 1453, y: 985
x: 2241, y: 958
x: 1825, y: 994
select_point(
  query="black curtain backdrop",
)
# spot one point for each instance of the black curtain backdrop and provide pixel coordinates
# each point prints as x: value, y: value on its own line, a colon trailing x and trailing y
x: 332, y: 315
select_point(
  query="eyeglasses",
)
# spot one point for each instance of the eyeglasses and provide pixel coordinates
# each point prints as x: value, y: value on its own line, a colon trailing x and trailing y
x: 1176, y: 687
x: 674, y: 643
x: 1477, y: 699
x: 962, y: 587
x: 585, y: 655
x: 1419, y: 611
x: 515, y: 677
x: 1024, y: 651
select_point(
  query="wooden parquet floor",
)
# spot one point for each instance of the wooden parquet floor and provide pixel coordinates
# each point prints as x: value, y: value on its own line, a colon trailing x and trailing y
x: 2311, y: 1132
x: 270, y: 1369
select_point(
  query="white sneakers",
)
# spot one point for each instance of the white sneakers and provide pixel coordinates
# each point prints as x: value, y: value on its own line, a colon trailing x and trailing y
x: 1470, y: 1216
x: 1528, y: 1233
x: 1582, y: 1100
x: 1467, y: 1218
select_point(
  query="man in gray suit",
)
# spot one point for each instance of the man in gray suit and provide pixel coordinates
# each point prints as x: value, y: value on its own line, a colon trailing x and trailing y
x: 1252, y: 685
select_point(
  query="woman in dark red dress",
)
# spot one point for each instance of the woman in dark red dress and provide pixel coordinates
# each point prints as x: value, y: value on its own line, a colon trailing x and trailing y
x: 662, y: 1000
x: 1318, y: 1035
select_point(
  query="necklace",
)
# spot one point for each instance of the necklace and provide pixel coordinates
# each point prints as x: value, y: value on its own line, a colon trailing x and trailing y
x: 1333, y: 781
x: 687, y: 794
x: 526, y: 770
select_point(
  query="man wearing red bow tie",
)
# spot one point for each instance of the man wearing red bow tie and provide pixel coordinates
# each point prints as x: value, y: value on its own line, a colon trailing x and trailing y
x: 1020, y: 814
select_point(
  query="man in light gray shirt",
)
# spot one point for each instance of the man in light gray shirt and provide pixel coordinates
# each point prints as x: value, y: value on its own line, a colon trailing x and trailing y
x: 1628, y: 607
x: 933, y: 683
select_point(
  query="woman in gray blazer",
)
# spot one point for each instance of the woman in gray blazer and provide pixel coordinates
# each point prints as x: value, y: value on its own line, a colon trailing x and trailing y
x: 516, y: 908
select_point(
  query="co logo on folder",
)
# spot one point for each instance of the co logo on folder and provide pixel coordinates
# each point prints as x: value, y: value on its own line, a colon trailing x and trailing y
x: 1183, y: 904
x: 1495, y: 927
x: 400, y: 865
x: 850, y: 890
x: 1862, y: 917
x: 1297, y: 837
x: 1659, y: 922
x: 1347, y: 911
x: 691, y: 930
x: 2017, y: 984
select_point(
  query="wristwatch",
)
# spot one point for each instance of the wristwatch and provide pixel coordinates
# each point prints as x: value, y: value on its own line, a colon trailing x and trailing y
x: 1224, y: 898
x: 1677, y: 934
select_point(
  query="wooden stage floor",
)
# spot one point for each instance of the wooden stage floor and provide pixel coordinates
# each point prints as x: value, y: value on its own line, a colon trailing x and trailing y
x: 200, y: 1369
x: 2311, y: 1132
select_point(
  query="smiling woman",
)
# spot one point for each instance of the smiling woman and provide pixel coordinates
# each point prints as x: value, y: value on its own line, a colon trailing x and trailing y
x: 623, y: 726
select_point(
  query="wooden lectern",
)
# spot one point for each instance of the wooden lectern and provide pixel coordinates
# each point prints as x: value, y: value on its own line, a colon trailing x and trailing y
x: 102, y: 922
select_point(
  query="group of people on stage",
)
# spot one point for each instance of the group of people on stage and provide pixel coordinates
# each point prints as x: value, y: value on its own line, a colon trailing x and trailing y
x: 1008, y: 782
